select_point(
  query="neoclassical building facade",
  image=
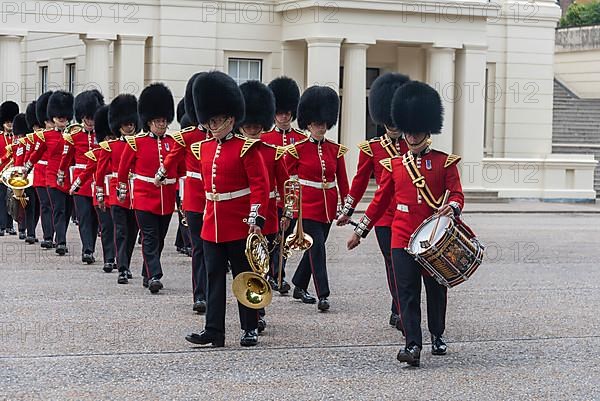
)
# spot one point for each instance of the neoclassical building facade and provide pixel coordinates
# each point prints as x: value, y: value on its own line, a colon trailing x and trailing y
x: 492, y: 63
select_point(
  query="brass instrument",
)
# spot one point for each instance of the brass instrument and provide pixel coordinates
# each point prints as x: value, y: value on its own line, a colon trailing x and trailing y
x: 252, y: 288
x: 16, y: 179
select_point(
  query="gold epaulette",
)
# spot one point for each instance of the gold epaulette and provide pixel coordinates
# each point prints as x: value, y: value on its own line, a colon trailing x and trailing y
x: 195, y: 148
x: 90, y: 155
x: 105, y: 145
x: 291, y: 149
x: 365, y: 147
x: 247, y: 145
x: 342, y: 150
x: 451, y: 159
x: 300, y: 132
x: 386, y: 163
x: 22, y: 141
x: 68, y: 138
x: 30, y: 137
x: 131, y: 141
x: 178, y: 136
x: 141, y: 134
x: 8, y: 149
x: 40, y: 134
x: 279, y: 152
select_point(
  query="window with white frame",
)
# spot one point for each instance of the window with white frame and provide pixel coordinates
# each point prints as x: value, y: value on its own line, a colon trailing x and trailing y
x: 70, y: 74
x: 245, y: 69
x: 43, y: 78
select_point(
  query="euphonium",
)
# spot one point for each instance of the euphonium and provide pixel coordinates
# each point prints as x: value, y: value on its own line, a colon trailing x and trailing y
x: 298, y: 240
x: 251, y: 288
x: 16, y: 179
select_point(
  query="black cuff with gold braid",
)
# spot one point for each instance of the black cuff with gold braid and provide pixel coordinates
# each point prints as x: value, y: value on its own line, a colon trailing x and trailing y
x: 28, y: 167
x: 100, y: 194
x: 362, y: 228
x: 255, y: 219
x: 348, y: 208
x: 122, y: 190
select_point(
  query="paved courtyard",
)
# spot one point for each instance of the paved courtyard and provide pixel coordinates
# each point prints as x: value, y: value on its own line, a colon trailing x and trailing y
x: 525, y: 327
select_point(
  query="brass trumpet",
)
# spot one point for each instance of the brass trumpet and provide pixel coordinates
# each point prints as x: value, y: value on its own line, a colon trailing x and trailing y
x: 252, y: 288
x: 298, y: 240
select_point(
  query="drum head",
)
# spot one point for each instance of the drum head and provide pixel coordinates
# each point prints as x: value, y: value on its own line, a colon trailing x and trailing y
x: 423, y: 233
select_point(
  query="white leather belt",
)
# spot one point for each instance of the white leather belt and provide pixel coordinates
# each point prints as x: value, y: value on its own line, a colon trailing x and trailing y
x: 42, y: 162
x: 216, y: 197
x: 168, y: 181
x: 402, y: 208
x: 80, y: 165
x: 193, y: 174
x: 318, y: 185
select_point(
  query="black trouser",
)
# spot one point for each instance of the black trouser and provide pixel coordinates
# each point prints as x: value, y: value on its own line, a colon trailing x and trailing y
x: 274, y: 265
x: 199, y: 278
x: 153, y: 228
x: 61, y: 213
x: 384, y: 239
x: 88, y: 222
x: 216, y: 256
x: 125, y: 235
x: 30, y: 215
x: 408, y: 277
x: 107, y: 235
x: 45, y: 213
x: 314, y: 260
x: 6, y: 221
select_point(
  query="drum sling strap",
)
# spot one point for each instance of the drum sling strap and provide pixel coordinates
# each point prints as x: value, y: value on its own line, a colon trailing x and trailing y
x: 419, y: 181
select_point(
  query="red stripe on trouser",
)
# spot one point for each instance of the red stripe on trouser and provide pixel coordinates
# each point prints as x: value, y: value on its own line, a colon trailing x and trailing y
x: 397, y: 296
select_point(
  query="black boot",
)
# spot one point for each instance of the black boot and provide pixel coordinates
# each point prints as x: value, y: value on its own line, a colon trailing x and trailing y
x: 411, y: 355
x: 204, y: 338
x: 438, y: 346
x: 249, y: 338
x: 200, y: 306
x: 303, y: 295
x: 122, y: 279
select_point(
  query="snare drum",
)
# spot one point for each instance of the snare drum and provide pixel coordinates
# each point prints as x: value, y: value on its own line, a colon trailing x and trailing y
x: 453, y: 254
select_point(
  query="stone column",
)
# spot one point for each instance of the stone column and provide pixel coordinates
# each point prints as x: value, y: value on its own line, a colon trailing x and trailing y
x: 410, y: 61
x: 293, y: 57
x: 129, y: 64
x: 440, y: 75
x: 353, y: 119
x: 97, y: 62
x: 11, y: 78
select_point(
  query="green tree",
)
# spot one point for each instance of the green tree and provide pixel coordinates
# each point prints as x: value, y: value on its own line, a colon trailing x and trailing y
x: 581, y: 14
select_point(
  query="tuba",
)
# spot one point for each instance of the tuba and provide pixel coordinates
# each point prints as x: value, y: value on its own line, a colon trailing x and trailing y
x: 16, y: 179
x: 252, y: 288
x: 298, y: 240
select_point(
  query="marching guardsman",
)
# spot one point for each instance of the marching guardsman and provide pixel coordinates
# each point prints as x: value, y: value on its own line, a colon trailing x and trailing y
x: 33, y: 125
x: 237, y: 196
x: 123, y: 122
x: 260, y: 112
x: 74, y: 160
x: 417, y: 113
x: 182, y: 238
x: 287, y: 95
x: 8, y: 111
x: 371, y: 153
x: 193, y: 196
x: 145, y: 153
x: 319, y: 164
x: 50, y: 144
x: 88, y: 175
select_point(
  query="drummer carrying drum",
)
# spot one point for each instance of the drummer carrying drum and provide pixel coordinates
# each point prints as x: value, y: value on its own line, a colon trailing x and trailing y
x: 417, y: 182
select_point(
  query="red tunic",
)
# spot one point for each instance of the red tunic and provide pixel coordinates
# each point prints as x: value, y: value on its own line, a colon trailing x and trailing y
x: 142, y: 157
x: 321, y: 170
x: 39, y: 170
x: 371, y: 153
x: 236, y: 178
x: 106, y: 171
x: 440, y: 173
x: 88, y: 174
x: 193, y: 196
x: 9, y: 155
x: 75, y: 147
x: 273, y: 156
x: 20, y: 151
x: 49, y: 145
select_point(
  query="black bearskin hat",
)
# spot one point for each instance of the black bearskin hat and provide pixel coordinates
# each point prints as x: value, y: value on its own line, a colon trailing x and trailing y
x: 380, y: 97
x: 260, y: 104
x: 8, y: 111
x: 123, y: 110
x: 186, y: 122
x: 180, y: 110
x: 189, y: 99
x: 287, y: 95
x: 156, y: 101
x: 60, y: 104
x: 31, y: 116
x: 86, y: 104
x: 216, y: 93
x: 101, y: 125
x: 20, y: 126
x: 41, y: 108
x: 318, y: 104
x: 417, y: 108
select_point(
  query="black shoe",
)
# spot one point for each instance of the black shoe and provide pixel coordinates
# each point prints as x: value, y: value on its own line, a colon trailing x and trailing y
x: 303, y: 295
x: 203, y: 338
x: 179, y: 249
x: 438, y: 346
x: 88, y: 258
x: 30, y: 240
x: 46, y: 244
x: 188, y: 251
x: 11, y: 231
x: 1, y: 233
x: 61, y: 249
x: 122, y: 278
x: 109, y: 267
x: 273, y: 283
x: 285, y: 287
x: 129, y: 275
x: 200, y: 306
x: 411, y: 355
x: 154, y: 285
x: 262, y: 325
x: 249, y: 338
x: 145, y: 282
x: 394, y: 319
x: 22, y: 236
x: 323, y: 304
